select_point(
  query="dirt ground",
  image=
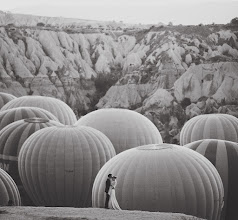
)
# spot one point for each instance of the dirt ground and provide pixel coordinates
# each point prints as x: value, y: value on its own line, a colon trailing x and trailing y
x: 57, y: 213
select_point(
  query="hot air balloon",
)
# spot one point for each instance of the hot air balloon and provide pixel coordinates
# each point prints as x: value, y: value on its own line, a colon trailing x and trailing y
x: 125, y: 128
x: 15, y: 114
x: 58, y: 165
x: 164, y: 178
x: 224, y: 156
x: 210, y: 126
x: 5, y: 98
x: 8, y: 190
x: 12, y: 138
x: 58, y: 108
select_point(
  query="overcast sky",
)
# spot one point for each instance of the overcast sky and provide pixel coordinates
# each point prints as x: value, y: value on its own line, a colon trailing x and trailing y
x: 130, y: 11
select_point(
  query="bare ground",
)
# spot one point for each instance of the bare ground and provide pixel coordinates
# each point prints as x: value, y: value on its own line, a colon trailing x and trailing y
x: 57, y: 213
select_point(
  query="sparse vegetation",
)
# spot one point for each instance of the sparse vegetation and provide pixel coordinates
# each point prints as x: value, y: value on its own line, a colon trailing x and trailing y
x: 234, y: 21
x: 185, y: 102
x: 170, y: 24
x: 40, y: 24
x: 103, y: 82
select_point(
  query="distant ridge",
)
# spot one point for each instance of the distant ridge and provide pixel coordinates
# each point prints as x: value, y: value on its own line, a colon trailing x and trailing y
x: 32, y: 20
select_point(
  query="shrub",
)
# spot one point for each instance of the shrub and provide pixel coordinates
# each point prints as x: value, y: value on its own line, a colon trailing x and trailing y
x: 40, y: 24
x: 234, y: 20
x: 185, y: 102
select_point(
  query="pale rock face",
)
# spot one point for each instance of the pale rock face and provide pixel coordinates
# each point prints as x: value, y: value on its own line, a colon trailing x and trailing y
x: 227, y: 34
x: 218, y: 80
x: 233, y: 53
x: 157, y: 52
x: 102, y: 65
x: 175, y: 56
x: 126, y: 43
x: 65, y: 41
x: 105, y: 58
x: 41, y: 85
x: 192, y: 49
x: 13, y: 88
x: 50, y: 46
x: 196, y: 42
x: 125, y: 96
x: 20, y: 69
x: 193, y: 110
x: 83, y: 45
x: 160, y: 98
x: 225, y: 48
x: 132, y: 62
x: 213, y: 37
x: 188, y: 59
x: 141, y: 50
x: 88, y: 72
x: 119, y: 59
x: 3, y: 73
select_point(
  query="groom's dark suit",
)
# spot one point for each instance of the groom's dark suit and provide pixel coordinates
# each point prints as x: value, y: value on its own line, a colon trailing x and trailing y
x: 108, y: 184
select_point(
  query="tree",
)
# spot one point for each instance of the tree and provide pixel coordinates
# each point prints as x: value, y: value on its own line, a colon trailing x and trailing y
x: 40, y: 24
x: 234, y: 20
x: 170, y: 23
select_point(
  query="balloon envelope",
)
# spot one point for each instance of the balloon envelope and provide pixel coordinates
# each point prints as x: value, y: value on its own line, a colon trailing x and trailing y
x: 210, y: 126
x: 164, y: 178
x: 15, y: 114
x: 224, y: 156
x: 12, y: 138
x: 125, y: 128
x: 8, y: 190
x: 58, y: 108
x: 58, y: 165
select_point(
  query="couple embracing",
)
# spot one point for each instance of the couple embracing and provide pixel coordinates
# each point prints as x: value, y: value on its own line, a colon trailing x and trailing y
x: 111, y: 201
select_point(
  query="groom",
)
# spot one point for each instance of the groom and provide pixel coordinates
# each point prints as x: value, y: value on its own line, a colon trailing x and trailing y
x: 108, y: 184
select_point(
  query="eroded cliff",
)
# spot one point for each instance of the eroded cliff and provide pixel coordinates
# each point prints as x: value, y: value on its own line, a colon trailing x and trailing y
x: 168, y: 73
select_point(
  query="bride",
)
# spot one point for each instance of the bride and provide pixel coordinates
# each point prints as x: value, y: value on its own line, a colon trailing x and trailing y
x: 113, y: 204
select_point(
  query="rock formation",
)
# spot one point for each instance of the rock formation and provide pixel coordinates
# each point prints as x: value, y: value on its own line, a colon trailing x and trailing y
x: 168, y: 73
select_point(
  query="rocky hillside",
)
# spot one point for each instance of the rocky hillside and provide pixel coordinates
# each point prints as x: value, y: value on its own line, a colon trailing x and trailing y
x: 168, y: 73
x: 64, y: 23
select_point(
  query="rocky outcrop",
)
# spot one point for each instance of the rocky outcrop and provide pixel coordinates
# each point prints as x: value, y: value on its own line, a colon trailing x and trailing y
x: 218, y: 81
x: 125, y: 96
x: 167, y: 114
x: 170, y: 74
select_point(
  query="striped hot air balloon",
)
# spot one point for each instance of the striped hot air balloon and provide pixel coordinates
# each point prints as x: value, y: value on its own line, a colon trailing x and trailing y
x: 58, y: 165
x: 224, y: 156
x: 210, y: 126
x: 58, y: 108
x: 164, y: 178
x: 125, y: 128
x: 15, y: 114
x: 8, y: 190
x: 12, y: 138
x: 5, y: 98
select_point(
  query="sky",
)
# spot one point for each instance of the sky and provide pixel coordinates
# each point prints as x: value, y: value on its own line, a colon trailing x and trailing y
x: 130, y: 11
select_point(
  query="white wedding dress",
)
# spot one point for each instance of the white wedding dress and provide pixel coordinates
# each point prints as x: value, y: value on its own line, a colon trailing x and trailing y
x: 113, y: 204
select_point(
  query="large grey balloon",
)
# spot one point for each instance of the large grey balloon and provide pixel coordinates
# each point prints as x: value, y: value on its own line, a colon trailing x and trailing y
x: 8, y: 190
x: 57, y: 107
x: 15, y: 114
x: 13, y: 136
x: 58, y: 165
x: 224, y: 156
x: 164, y: 178
x: 210, y: 126
x: 125, y: 128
